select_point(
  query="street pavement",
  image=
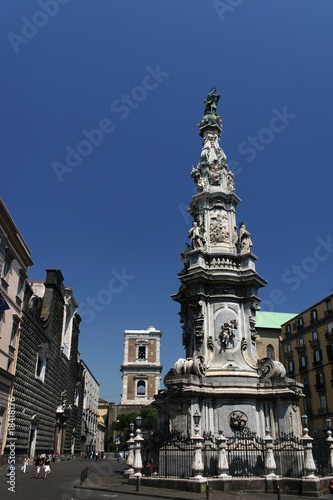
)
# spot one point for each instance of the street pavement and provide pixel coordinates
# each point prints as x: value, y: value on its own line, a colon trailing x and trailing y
x: 105, y: 481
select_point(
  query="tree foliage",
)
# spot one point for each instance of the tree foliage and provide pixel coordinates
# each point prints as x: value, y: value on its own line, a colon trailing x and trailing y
x: 147, y: 414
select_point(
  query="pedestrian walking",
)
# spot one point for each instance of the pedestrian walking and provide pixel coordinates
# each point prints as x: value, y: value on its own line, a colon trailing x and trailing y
x: 25, y: 464
x: 38, y: 463
x: 47, y: 467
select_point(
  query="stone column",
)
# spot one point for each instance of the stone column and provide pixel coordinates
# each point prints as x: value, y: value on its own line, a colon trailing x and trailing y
x: 130, y: 458
x: 309, y: 464
x: 223, y: 465
x: 137, y: 462
x: 270, y: 464
x: 330, y: 444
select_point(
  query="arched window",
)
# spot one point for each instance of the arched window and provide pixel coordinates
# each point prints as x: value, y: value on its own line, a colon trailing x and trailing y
x: 141, y: 388
x: 142, y: 352
x: 270, y: 352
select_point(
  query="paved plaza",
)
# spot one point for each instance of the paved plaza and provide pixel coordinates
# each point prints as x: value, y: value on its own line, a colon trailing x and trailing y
x: 105, y: 480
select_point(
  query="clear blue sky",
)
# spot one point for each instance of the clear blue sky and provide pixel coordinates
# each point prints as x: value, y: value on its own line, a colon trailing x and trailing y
x: 139, y: 72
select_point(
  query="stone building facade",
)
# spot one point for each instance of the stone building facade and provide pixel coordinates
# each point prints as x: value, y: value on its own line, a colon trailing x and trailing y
x: 14, y: 264
x: 48, y: 387
x: 90, y: 411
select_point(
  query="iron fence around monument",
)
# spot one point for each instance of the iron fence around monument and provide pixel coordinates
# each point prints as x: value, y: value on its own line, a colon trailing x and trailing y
x: 172, y: 456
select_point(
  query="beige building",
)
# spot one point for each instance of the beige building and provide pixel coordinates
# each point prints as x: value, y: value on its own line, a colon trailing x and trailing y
x: 89, y: 438
x: 268, y: 327
x: 141, y: 369
x: 307, y: 350
x: 14, y: 264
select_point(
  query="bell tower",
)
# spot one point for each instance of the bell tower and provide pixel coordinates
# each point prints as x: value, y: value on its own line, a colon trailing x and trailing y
x: 141, y: 369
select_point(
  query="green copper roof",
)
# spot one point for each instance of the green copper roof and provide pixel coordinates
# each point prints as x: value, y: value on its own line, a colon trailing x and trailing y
x: 272, y: 319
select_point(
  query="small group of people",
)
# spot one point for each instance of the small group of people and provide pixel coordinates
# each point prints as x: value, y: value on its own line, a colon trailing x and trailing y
x: 92, y: 455
x: 43, y: 463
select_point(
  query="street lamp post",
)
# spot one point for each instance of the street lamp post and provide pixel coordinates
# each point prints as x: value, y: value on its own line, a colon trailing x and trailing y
x: 137, y: 463
x: 328, y: 425
x: 197, y: 464
x: 309, y: 464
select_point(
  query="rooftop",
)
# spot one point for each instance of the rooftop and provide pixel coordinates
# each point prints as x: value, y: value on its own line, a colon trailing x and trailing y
x: 266, y: 319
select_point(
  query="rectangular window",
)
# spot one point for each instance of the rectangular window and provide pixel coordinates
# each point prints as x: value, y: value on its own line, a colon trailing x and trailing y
x: 305, y: 382
x: 315, y: 337
x: 14, y: 330
x: 289, y: 350
x: 329, y: 306
x: 313, y: 316
x: 291, y: 368
x: 22, y: 278
x: 317, y: 356
x: 301, y: 342
x: 302, y: 362
x: 7, y: 263
x: 320, y: 379
x: 329, y: 349
x: 40, y: 367
x: 323, y: 403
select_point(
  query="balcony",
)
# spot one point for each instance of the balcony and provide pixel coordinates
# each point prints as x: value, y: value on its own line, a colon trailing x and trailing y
x: 300, y: 348
x: 323, y: 410
x: 288, y: 354
x: 329, y: 335
x: 303, y: 368
x: 314, y: 343
x: 317, y: 362
x: 320, y: 386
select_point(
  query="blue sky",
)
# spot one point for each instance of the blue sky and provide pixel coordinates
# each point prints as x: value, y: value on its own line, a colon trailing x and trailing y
x: 100, y: 105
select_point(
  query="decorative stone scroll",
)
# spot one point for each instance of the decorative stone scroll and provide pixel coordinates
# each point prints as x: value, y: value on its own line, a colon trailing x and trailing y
x: 189, y: 366
x: 269, y: 368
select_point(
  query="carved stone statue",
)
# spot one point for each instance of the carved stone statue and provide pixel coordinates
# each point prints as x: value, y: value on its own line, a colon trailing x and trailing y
x: 196, y: 235
x: 244, y: 240
x: 238, y: 420
x: 218, y: 229
x: 211, y: 101
x: 227, y: 331
x: 230, y: 182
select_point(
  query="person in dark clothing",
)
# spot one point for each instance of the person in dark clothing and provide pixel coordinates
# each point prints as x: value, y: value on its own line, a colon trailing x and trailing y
x: 38, y: 463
